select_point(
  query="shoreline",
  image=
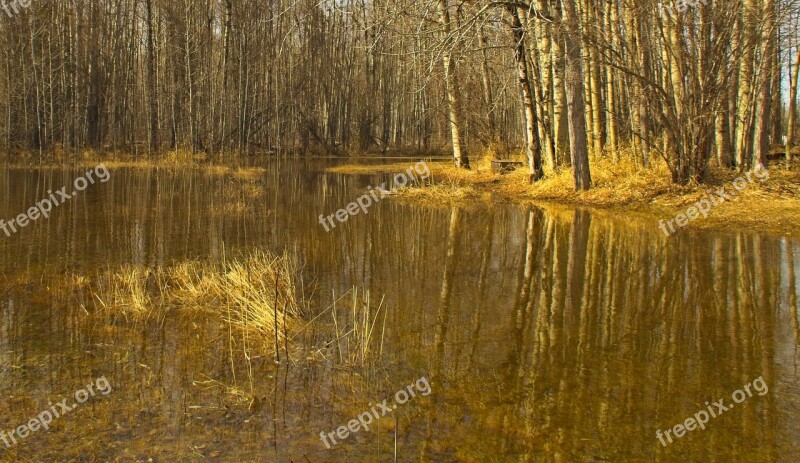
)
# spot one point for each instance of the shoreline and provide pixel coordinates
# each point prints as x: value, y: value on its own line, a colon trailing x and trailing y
x: 771, y: 205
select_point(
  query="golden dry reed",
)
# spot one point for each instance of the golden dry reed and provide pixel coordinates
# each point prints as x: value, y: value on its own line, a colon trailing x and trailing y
x: 256, y: 293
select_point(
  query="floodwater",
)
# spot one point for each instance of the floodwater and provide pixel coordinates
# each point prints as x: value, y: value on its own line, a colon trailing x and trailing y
x: 544, y: 334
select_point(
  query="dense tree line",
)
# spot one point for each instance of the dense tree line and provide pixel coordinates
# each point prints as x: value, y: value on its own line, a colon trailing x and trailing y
x: 686, y: 83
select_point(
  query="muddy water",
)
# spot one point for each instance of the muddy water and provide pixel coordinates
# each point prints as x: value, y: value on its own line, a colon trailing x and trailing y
x: 545, y: 334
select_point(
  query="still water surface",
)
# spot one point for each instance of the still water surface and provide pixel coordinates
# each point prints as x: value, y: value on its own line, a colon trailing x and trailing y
x: 546, y: 334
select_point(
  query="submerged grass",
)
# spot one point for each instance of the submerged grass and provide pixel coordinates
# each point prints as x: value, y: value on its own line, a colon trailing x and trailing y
x: 238, y: 195
x: 359, y: 329
x: 256, y: 293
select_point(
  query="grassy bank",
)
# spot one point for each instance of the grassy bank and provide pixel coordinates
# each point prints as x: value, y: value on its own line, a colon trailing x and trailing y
x: 773, y: 205
x: 172, y: 159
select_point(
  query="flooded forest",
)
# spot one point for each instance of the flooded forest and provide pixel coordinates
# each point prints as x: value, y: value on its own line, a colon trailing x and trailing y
x: 399, y: 231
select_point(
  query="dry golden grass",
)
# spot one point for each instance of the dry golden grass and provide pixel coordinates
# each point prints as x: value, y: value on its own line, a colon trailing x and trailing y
x: 445, y: 194
x: 614, y: 184
x: 446, y: 185
x: 256, y: 293
x: 369, y: 169
x: 359, y: 329
x: 773, y: 205
x: 238, y: 196
x: 248, y: 173
x: 173, y: 159
x: 132, y: 291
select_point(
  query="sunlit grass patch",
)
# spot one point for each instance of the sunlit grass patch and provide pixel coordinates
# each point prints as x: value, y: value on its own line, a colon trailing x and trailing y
x: 256, y: 293
x: 259, y: 293
x: 170, y: 159
x: 445, y: 194
x: 613, y: 184
x: 131, y: 291
x: 371, y: 169
x: 248, y: 173
x: 258, y: 297
x: 773, y: 205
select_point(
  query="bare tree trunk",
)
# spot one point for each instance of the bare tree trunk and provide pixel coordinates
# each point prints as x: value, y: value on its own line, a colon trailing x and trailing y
x: 795, y: 72
x: 777, y: 90
x: 744, y: 127
x: 543, y: 33
x: 596, y: 91
x: 486, y: 80
x: 612, y: 21
x: 460, y: 155
x: 560, y: 117
x: 722, y: 140
x: 733, y: 86
x: 226, y: 50
x: 575, y: 105
x: 761, y: 143
x: 640, y: 130
x: 533, y: 147
x: 188, y: 62
x: 151, y: 79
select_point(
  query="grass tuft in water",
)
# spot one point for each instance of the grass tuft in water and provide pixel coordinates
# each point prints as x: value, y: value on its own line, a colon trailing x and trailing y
x: 360, y: 329
x: 256, y: 293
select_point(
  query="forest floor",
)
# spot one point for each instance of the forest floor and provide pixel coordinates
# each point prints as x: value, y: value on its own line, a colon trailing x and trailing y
x: 771, y: 205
